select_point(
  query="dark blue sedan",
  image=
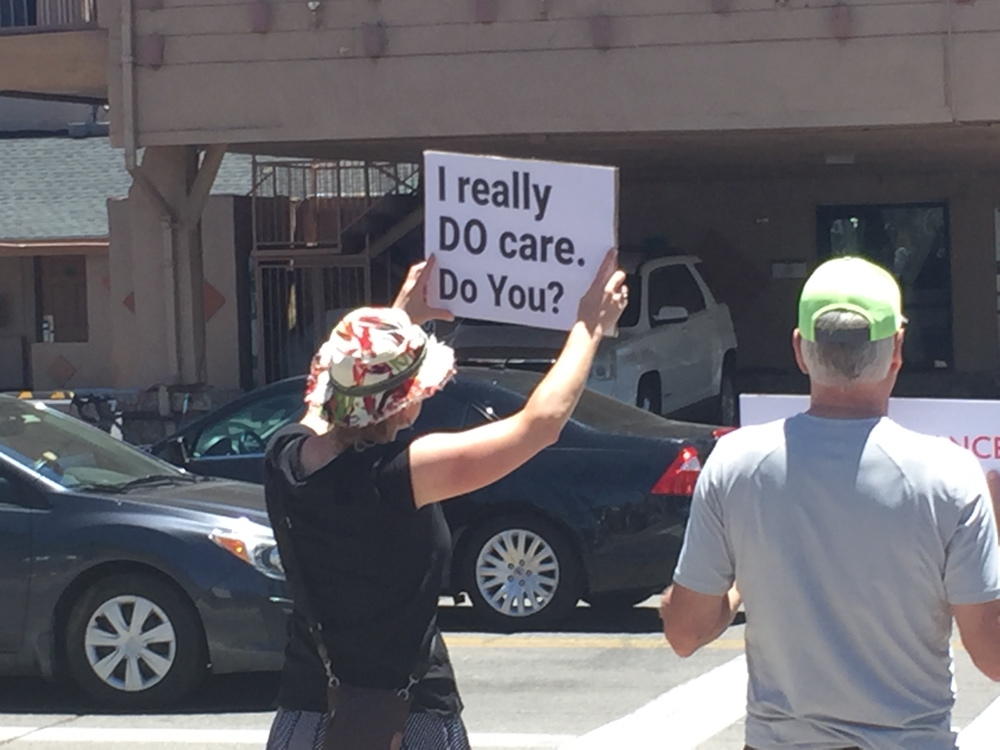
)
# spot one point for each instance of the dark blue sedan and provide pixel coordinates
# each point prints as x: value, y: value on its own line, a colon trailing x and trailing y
x: 130, y: 576
x: 600, y: 515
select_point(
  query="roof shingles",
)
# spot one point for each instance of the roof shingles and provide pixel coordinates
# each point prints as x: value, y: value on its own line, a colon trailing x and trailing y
x: 57, y: 188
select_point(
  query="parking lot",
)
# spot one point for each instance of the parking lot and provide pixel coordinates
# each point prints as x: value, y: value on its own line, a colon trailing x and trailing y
x: 600, y: 682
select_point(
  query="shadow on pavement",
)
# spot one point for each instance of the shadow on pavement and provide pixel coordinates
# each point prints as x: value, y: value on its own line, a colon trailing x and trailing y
x: 231, y: 693
x: 257, y: 691
x: 642, y: 619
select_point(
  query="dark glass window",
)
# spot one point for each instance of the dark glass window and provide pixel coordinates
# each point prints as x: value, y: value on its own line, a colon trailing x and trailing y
x: 674, y: 286
x: 911, y: 240
x: 501, y: 393
x: 247, y: 430
x: 18, y: 13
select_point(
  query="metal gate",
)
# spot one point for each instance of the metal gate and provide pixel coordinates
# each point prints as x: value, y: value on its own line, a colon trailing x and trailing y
x: 298, y: 303
x: 316, y: 253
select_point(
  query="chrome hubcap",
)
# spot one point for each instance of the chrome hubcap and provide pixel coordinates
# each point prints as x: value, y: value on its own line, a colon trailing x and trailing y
x: 130, y: 643
x: 517, y: 573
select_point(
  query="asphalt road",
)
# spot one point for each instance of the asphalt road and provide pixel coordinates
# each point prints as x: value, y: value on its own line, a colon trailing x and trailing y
x: 527, y: 691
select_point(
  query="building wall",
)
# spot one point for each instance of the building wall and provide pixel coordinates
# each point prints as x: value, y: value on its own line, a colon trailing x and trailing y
x: 86, y: 364
x: 760, y: 221
x: 52, y: 365
x: 222, y: 327
x: 539, y: 68
x: 140, y: 279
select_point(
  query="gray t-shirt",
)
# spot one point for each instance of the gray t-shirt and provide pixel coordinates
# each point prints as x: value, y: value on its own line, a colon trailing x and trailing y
x: 848, y: 540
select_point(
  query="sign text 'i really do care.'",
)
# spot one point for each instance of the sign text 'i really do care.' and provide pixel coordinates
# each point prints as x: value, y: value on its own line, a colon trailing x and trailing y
x: 516, y: 241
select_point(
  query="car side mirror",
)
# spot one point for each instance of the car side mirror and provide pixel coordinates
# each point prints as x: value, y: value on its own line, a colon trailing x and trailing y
x: 670, y: 314
x: 175, y: 451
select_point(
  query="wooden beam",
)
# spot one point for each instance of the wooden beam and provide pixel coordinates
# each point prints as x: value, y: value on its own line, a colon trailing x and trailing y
x: 63, y: 63
x: 202, y: 187
x: 150, y: 190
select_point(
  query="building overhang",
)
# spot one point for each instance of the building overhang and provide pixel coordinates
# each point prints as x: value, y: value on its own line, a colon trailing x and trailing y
x: 911, y: 149
x: 58, y: 246
x: 60, y: 64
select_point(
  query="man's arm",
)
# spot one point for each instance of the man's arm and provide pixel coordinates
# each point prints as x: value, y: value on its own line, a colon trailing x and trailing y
x: 979, y: 627
x: 993, y: 481
x: 692, y: 620
x: 691, y: 617
x: 979, y: 624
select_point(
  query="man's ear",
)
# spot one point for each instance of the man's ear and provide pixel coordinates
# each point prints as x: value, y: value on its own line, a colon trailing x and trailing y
x: 797, y: 348
x: 897, y: 351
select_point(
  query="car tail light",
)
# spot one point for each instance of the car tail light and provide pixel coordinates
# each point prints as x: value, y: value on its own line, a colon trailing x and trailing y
x: 720, y: 431
x: 681, y: 475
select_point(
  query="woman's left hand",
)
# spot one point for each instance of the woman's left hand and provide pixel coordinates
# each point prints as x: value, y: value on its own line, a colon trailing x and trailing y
x: 412, y: 297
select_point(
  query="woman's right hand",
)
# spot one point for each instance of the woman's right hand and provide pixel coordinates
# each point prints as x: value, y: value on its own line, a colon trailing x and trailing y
x: 412, y: 296
x: 603, y: 303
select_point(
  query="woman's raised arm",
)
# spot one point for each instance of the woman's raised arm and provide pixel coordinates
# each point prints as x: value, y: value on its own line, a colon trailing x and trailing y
x: 445, y: 465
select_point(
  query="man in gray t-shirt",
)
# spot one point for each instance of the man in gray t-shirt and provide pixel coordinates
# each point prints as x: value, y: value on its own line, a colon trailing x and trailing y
x: 853, y: 542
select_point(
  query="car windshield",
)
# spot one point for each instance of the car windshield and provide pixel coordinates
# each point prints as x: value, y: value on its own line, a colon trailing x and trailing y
x: 595, y: 410
x: 74, y: 454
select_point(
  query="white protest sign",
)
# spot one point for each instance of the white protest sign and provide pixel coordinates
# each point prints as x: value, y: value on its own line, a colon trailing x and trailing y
x: 972, y: 424
x: 516, y: 241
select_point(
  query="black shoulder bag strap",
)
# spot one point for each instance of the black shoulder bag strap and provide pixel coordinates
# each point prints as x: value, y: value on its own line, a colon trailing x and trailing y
x: 289, y: 561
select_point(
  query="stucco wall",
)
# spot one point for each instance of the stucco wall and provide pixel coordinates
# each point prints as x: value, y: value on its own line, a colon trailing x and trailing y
x: 221, y: 329
x: 140, y: 280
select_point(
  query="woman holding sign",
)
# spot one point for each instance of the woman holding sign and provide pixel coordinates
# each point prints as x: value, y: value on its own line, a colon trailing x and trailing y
x: 362, y: 537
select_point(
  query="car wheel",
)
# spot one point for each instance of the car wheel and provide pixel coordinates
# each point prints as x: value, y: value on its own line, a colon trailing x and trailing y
x: 521, y: 573
x: 133, y: 641
x: 649, y: 396
x: 727, y: 405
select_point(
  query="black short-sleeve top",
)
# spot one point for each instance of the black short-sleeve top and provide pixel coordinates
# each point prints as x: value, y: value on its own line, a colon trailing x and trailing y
x: 372, y: 564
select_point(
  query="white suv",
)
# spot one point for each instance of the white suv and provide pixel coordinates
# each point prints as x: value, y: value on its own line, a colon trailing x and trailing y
x: 675, y: 353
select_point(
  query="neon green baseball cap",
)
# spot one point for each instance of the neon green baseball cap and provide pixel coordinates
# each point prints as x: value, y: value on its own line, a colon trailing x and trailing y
x: 855, y: 285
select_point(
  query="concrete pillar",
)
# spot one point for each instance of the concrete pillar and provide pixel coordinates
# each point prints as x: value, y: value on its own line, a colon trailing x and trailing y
x: 157, y: 275
x: 190, y: 282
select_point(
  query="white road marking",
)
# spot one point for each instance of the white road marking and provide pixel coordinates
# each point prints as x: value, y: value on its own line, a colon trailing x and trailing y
x: 984, y: 730
x: 73, y: 736
x: 10, y: 733
x: 500, y: 740
x: 138, y: 736
x: 688, y: 714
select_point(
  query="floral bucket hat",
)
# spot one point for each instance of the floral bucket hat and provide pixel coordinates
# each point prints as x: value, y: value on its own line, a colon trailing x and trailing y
x: 375, y: 364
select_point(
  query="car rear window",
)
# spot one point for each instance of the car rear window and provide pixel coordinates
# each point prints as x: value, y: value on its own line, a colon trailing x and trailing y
x: 510, y: 389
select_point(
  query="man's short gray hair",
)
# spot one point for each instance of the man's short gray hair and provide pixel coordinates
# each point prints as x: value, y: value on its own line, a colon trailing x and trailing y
x: 842, y: 355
